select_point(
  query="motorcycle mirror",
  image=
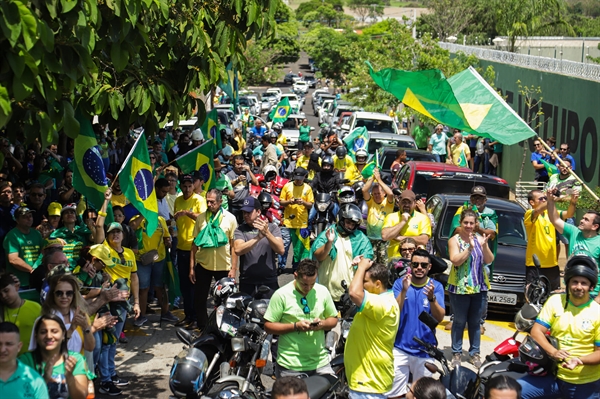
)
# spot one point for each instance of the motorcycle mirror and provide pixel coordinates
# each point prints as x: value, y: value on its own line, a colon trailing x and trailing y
x: 432, y: 368
x: 344, y: 284
x: 184, y: 336
x: 428, y: 320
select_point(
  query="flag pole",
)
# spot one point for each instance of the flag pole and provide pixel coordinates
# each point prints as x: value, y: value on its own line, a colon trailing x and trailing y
x: 589, y: 190
x: 127, y: 159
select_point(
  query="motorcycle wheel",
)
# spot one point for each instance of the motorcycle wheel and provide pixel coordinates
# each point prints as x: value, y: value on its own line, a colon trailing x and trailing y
x: 223, y: 386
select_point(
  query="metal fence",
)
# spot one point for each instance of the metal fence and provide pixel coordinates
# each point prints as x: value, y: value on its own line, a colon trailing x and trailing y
x: 577, y: 69
x: 523, y: 188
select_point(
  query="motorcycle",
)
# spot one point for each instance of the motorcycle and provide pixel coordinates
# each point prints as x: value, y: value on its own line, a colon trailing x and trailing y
x: 272, y: 185
x: 329, y: 386
x: 325, y: 212
x: 195, y: 369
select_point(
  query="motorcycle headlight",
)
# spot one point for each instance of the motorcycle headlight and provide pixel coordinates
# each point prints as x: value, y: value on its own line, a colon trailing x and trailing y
x: 238, y: 344
x: 322, y: 206
x: 219, y: 314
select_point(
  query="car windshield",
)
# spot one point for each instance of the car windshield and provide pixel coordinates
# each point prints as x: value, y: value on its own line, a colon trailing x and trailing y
x: 511, y: 230
x: 291, y: 97
x: 374, y: 125
x: 454, y: 185
x: 291, y: 123
x: 375, y: 144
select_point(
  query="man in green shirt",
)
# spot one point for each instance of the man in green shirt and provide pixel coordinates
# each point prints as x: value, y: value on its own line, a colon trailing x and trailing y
x: 16, y: 379
x: 22, y: 246
x: 299, y: 312
x: 421, y: 134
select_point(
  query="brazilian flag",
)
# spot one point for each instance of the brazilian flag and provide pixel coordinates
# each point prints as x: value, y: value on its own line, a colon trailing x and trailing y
x: 282, y: 111
x: 200, y: 158
x: 137, y: 183
x: 210, y: 128
x: 462, y: 159
x: 551, y: 169
x: 89, y: 176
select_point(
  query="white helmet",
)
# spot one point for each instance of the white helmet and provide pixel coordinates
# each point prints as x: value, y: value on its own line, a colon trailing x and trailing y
x: 197, y: 135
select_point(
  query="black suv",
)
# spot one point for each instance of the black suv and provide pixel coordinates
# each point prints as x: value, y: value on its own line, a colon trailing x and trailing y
x: 288, y: 79
x: 508, y: 282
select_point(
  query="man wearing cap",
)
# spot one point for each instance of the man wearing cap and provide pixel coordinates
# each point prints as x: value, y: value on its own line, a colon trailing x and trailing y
x: 75, y: 236
x: 188, y: 206
x: 182, y: 147
x: 296, y: 198
x: 257, y: 242
x: 269, y: 154
x: 22, y: 246
x: 304, y: 159
x: 197, y: 138
x: 380, y: 202
x: 52, y: 256
x: 437, y: 143
x: 211, y: 255
x: 54, y: 212
x: 407, y: 222
x: 223, y: 184
x: 241, y: 176
x: 198, y: 183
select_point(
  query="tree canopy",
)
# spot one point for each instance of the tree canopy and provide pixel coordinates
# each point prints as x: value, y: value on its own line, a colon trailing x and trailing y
x: 128, y: 61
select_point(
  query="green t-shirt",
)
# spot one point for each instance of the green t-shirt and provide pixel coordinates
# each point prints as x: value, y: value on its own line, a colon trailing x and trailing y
x: 28, y: 246
x: 224, y: 183
x: 304, y: 133
x: 298, y: 350
x: 421, y: 136
x: 75, y: 240
x: 58, y: 387
x: 23, y: 317
x: 578, y: 242
x: 25, y: 383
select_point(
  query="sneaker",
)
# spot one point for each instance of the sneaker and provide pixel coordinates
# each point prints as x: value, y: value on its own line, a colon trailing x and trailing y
x: 170, y: 317
x: 109, y: 388
x: 123, y: 339
x: 476, y: 360
x: 455, y: 360
x: 448, y: 326
x: 482, y: 329
x: 118, y: 381
x: 140, y: 321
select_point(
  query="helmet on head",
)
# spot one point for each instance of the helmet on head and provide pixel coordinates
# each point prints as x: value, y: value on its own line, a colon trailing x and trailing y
x: 357, y: 187
x: 266, y: 201
x: 256, y: 311
x: 341, y: 152
x: 327, y: 160
x: 270, y: 172
x: 273, y: 135
x: 278, y: 126
x: 362, y: 154
x: 582, y: 264
x: 346, y: 195
x: 224, y: 287
x: 247, y: 153
x: 348, y: 212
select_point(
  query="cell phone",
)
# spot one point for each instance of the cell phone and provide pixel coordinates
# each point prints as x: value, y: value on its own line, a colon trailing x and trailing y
x: 314, y: 324
x: 263, y: 217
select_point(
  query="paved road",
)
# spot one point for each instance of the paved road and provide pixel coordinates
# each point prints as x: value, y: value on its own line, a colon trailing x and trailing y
x: 147, y: 359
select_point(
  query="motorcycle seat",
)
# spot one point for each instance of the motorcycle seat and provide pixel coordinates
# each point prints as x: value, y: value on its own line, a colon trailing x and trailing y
x: 317, y: 386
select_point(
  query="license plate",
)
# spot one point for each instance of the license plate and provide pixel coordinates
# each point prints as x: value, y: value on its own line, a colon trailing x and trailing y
x: 508, y: 299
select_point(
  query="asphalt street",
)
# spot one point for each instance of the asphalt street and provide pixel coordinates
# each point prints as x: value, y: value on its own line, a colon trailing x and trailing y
x: 147, y: 358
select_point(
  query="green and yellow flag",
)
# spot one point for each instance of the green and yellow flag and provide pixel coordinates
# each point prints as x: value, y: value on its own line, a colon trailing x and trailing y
x: 137, y: 183
x: 210, y: 128
x: 367, y: 171
x: 89, y: 176
x: 551, y: 169
x: 282, y: 111
x: 356, y: 140
x: 462, y: 159
x: 200, y: 158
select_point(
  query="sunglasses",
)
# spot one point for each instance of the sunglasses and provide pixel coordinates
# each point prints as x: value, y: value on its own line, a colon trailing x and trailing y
x: 564, y: 149
x: 422, y: 265
x: 543, y: 199
x: 537, y: 145
x: 68, y: 294
x: 304, y: 303
x: 408, y: 249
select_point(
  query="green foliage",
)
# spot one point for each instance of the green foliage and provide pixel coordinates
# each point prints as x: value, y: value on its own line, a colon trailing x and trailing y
x: 366, y: 8
x: 284, y: 44
x: 330, y: 50
x: 128, y: 61
x: 261, y: 67
x: 323, y: 14
x: 313, y: 5
x: 586, y: 201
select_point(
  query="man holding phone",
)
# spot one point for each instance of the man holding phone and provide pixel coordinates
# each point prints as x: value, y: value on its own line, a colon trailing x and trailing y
x: 241, y: 176
x: 257, y: 242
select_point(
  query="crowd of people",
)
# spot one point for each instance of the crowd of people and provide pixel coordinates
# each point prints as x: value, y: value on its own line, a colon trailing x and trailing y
x: 72, y: 279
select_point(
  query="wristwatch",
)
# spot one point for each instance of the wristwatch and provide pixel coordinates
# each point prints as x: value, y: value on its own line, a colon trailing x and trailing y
x: 432, y: 300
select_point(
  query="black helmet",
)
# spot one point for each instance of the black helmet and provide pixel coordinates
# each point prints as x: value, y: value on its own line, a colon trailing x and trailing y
x: 327, y: 160
x: 256, y: 311
x: 273, y: 135
x: 582, y: 264
x: 247, y: 154
x: 188, y: 373
x: 532, y: 354
x: 224, y: 287
x: 341, y: 152
x: 346, y: 195
x: 351, y: 212
x: 266, y: 201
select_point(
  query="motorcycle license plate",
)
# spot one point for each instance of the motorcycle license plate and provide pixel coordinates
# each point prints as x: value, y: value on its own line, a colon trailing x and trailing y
x: 508, y: 299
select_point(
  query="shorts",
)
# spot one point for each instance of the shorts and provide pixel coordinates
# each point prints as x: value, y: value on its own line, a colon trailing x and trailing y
x: 151, y: 275
x: 404, y: 365
x: 552, y: 274
x: 366, y: 395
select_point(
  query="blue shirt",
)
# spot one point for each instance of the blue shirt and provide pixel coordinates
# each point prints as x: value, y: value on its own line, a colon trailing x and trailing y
x: 258, y: 132
x: 410, y: 325
x: 567, y: 158
x: 538, y: 157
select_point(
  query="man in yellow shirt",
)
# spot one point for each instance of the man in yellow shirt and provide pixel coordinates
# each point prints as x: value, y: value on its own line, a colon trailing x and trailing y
x: 211, y: 255
x: 296, y: 198
x: 118, y: 198
x: 405, y: 223
x: 368, y: 356
x: 341, y: 160
x: 460, y: 151
x: 187, y: 208
x: 304, y: 159
x: 380, y: 201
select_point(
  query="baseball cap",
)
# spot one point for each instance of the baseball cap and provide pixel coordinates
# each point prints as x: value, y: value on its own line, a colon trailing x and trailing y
x: 408, y: 194
x: 478, y: 190
x: 300, y: 173
x: 69, y: 207
x: 22, y: 211
x: 186, y: 177
x: 54, y: 209
x: 53, y: 243
x: 101, y: 252
x: 114, y: 226
x: 250, y: 204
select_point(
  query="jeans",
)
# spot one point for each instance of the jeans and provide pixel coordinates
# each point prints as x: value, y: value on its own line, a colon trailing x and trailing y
x: 467, y: 309
x: 365, y: 395
x: 477, y: 162
x: 185, y: 285
x: 108, y: 353
x: 98, y: 348
x: 437, y: 157
x: 484, y: 310
x: 287, y: 240
x: 549, y: 387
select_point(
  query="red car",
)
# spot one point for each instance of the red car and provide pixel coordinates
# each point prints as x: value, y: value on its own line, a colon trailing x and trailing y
x: 429, y: 178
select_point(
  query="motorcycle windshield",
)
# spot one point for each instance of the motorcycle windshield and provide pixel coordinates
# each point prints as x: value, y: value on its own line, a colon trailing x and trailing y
x: 463, y: 382
x: 193, y: 357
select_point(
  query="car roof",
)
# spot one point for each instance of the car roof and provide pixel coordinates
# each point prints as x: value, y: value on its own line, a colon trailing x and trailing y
x: 495, y: 203
x: 390, y: 136
x: 438, y: 167
x: 373, y: 115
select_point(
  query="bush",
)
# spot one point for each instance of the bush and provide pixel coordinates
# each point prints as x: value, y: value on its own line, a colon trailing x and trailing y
x: 587, y: 202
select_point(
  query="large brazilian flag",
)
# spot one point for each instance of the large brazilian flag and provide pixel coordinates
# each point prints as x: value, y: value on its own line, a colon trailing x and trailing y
x: 137, y: 183
x: 200, y: 158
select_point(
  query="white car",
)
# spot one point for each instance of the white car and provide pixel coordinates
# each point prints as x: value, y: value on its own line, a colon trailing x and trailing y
x: 301, y: 87
x: 325, y: 109
x: 295, y: 102
x: 258, y: 107
x: 374, y: 122
x: 276, y: 90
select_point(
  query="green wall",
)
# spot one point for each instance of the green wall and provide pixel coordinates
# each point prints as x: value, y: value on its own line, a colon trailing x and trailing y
x: 571, y: 108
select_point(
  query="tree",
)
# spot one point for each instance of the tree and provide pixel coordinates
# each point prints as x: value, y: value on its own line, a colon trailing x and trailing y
x: 260, y: 67
x: 312, y: 5
x: 449, y: 17
x: 366, y: 8
x: 330, y: 50
x: 128, y: 61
